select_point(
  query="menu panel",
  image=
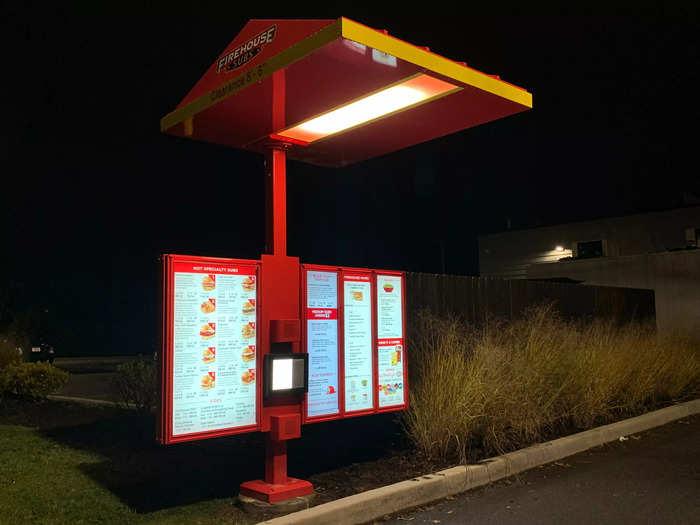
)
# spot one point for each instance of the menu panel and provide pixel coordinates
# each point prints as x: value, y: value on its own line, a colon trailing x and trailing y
x: 357, y: 330
x: 390, y: 343
x: 214, y: 347
x: 390, y: 367
x: 389, y: 307
x: 322, y: 342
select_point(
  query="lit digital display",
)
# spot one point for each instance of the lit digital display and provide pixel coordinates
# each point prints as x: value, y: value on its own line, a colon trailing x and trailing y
x: 285, y: 374
x: 282, y: 374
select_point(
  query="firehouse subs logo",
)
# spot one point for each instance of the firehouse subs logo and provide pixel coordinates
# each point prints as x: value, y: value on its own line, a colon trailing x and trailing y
x: 246, y: 52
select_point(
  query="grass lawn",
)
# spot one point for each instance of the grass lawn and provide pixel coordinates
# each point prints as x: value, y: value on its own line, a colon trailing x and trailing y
x: 70, y: 463
x: 42, y: 481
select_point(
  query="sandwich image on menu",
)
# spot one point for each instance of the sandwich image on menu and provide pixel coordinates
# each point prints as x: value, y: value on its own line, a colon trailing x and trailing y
x: 209, y: 282
x: 208, y: 306
x: 248, y: 377
x: 249, y: 307
x: 248, y: 284
x: 388, y: 287
x: 209, y: 355
x: 207, y: 331
x: 248, y: 330
x: 248, y: 353
x: 356, y: 295
x: 208, y: 381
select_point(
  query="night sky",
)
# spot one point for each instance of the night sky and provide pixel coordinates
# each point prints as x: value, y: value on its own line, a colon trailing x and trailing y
x: 93, y: 193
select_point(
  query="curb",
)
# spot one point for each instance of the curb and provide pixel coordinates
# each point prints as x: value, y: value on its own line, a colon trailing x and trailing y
x: 83, y: 400
x: 377, y: 503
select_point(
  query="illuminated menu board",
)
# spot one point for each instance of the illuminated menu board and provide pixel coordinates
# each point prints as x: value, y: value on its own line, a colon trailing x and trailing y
x: 390, y: 343
x: 357, y: 330
x: 214, y: 369
x: 322, y: 342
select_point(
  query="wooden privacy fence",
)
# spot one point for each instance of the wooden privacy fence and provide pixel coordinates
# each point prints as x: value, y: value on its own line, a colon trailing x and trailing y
x: 478, y: 298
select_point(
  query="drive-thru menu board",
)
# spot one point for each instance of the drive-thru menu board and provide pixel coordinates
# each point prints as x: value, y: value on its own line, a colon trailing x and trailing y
x: 390, y: 343
x: 354, y: 336
x: 357, y: 330
x: 213, y: 340
x: 322, y: 342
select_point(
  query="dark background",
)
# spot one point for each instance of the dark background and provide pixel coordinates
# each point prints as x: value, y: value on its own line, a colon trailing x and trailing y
x: 93, y: 193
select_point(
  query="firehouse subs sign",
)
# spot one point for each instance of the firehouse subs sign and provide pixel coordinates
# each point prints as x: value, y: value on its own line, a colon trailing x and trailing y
x: 247, y: 51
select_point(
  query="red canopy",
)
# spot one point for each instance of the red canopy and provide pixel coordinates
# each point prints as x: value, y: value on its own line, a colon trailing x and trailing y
x: 277, y: 74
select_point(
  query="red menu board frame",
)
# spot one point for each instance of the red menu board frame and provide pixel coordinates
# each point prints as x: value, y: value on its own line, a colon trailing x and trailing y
x: 165, y: 413
x: 341, y: 272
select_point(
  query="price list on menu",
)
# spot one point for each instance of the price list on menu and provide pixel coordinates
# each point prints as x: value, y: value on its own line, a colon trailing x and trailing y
x: 390, y: 344
x: 214, y: 345
x: 322, y: 342
x: 357, y: 330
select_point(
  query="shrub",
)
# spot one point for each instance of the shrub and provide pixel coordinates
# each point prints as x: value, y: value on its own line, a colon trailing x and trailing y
x: 136, y: 384
x: 8, y: 352
x: 34, y: 380
x: 507, y: 385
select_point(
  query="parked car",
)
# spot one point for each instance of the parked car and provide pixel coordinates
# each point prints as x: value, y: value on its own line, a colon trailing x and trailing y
x: 43, y: 352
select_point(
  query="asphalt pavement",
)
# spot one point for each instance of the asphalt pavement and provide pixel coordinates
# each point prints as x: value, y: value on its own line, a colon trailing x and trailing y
x: 90, y: 377
x: 653, y: 477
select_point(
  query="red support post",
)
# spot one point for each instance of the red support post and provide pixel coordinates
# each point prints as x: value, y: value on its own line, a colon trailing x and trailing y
x: 281, y: 420
x: 275, y: 461
x: 276, y: 200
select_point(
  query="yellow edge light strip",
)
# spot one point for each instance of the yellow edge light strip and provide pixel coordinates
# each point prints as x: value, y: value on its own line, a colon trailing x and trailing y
x: 290, y: 55
x: 410, y: 53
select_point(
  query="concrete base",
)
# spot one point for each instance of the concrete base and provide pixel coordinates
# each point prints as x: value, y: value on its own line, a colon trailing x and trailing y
x: 276, y: 493
x: 255, y: 506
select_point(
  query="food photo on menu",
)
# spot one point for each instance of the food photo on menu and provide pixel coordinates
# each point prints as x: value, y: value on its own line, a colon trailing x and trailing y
x: 248, y: 284
x: 208, y: 381
x: 248, y: 376
x: 248, y: 353
x: 209, y: 355
x: 248, y: 330
x: 248, y: 307
x: 209, y: 282
x: 207, y: 331
x: 208, y: 306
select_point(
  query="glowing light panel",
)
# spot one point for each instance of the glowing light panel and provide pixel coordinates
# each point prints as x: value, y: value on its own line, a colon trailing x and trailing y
x: 282, y: 374
x: 419, y: 89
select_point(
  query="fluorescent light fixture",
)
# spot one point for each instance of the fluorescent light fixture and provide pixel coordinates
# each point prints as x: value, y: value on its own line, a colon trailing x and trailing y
x: 282, y: 374
x: 406, y: 94
x: 559, y: 248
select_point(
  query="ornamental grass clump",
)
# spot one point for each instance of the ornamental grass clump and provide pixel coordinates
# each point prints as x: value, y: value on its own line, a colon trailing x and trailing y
x: 507, y: 385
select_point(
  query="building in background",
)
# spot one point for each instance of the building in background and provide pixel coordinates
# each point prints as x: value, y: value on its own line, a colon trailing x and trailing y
x: 657, y: 251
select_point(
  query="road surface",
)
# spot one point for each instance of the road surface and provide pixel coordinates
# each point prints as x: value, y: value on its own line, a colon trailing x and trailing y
x: 653, y: 477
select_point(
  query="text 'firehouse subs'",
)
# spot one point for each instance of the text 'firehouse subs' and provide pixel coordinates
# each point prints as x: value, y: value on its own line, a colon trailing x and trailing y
x: 246, y: 52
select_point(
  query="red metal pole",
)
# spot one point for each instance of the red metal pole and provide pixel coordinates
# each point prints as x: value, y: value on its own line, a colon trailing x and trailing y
x: 275, y: 461
x: 276, y: 200
x: 276, y: 173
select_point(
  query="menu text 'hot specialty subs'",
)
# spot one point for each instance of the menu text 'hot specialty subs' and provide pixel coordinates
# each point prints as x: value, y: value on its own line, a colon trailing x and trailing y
x: 214, y: 347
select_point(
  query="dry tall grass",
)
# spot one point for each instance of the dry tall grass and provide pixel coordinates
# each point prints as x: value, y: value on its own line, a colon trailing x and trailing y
x: 508, y: 385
